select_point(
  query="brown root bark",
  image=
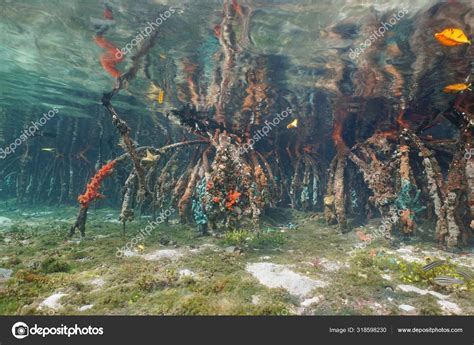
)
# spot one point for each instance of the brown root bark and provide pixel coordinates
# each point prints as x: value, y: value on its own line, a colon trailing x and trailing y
x: 80, y: 223
x: 183, y: 203
x: 339, y: 196
x: 435, y: 181
x: 456, y: 190
x: 126, y: 213
x: 329, y: 211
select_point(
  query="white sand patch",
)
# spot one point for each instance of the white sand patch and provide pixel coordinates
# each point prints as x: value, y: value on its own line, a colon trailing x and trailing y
x: 86, y: 307
x: 466, y: 260
x: 74, y: 241
x: 43, y: 213
x: 407, y: 253
x: 407, y: 308
x: 310, y: 301
x: 330, y: 266
x: 172, y: 254
x: 280, y: 276
x: 256, y: 300
x: 5, y: 222
x: 52, y: 302
x: 450, y: 307
x: 5, y: 273
x: 115, y: 221
x: 36, y: 214
x: 130, y: 253
x: 101, y: 236
x: 186, y: 273
x: 97, y: 282
x: 411, y: 288
x: 413, y: 254
x: 204, y: 247
x: 377, y: 307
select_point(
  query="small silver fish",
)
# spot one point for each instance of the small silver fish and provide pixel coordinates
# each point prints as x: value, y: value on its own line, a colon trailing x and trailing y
x: 432, y: 265
x: 47, y: 149
x: 447, y: 281
x: 465, y: 274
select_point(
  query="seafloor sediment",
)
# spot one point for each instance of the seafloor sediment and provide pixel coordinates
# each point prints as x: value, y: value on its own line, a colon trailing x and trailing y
x: 297, y: 265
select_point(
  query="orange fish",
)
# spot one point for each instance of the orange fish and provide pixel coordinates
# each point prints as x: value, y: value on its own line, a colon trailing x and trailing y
x: 452, y: 37
x: 454, y: 88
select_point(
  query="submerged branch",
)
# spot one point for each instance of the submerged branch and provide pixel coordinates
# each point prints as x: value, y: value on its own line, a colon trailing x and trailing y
x: 162, y: 149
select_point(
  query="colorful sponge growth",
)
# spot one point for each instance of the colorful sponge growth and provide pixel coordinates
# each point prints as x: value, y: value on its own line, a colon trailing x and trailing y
x: 92, y: 189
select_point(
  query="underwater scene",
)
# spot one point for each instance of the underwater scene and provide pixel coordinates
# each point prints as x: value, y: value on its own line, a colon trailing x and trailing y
x: 236, y: 157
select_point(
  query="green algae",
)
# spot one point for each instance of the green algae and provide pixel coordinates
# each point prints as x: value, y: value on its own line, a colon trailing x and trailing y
x: 48, y: 263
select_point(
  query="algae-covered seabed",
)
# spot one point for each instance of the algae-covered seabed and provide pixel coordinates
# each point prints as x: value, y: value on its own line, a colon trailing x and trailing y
x: 301, y: 267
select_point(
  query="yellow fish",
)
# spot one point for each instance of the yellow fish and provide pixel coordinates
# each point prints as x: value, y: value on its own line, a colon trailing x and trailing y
x: 155, y: 93
x: 141, y: 248
x: 454, y: 88
x: 150, y: 157
x: 293, y: 124
x: 47, y: 149
x: 161, y: 96
x: 452, y: 37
